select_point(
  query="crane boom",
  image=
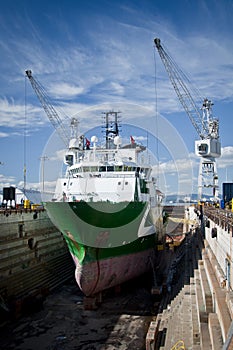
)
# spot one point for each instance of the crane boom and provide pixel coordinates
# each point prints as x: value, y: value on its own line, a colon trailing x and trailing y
x: 207, y: 127
x: 48, y: 107
x: 177, y: 77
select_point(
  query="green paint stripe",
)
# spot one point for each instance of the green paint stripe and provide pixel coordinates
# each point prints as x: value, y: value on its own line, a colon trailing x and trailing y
x: 89, y: 254
x: 99, y: 214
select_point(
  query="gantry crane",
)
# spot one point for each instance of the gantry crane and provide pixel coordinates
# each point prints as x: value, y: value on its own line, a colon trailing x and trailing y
x: 206, y: 125
x: 49, y: 109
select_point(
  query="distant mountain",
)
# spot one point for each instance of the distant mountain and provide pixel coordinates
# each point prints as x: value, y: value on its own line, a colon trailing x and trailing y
x: 184, y: 198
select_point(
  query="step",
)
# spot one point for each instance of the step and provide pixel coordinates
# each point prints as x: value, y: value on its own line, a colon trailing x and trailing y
x: 180, y: 323
x: 205, y: 337
x: 203, y: 317
x: 206, y: 292
x: 195, y: 316
x: 187, y: 325
x: 215, y: 332
x: 220, y: 305
x: 229, y: 301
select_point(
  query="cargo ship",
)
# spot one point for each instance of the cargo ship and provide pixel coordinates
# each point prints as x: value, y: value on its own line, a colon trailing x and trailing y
x: 108, y: 208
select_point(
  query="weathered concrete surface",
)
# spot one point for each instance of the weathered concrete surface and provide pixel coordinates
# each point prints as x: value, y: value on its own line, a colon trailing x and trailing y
x: 120, y: 323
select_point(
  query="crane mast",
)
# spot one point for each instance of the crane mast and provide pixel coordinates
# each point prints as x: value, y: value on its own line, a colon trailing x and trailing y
x: 48, y: 108
x: 207, y: 127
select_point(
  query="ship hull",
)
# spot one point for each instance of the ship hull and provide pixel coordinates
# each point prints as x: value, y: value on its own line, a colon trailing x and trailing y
x: 110, y: 242
x: 103, y: 274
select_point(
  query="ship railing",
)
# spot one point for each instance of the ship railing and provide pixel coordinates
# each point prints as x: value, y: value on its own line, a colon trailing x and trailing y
x: 103, y: 175
x: 118, y: 175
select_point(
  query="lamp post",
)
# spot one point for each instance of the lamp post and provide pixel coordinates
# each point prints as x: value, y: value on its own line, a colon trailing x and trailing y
x: 43, y: 159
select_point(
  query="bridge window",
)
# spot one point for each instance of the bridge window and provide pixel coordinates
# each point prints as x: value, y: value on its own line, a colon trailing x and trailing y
x: 118, y: 168
x: 94, y: 168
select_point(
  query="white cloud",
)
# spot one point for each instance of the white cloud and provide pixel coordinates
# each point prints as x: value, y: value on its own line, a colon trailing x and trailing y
x: 118, y: 88
x: 65, y: 90
x: 6, y: 181
x: 181, y: 166
x: 13, y: 114
x: 119, y: 62
x: 226, y: 158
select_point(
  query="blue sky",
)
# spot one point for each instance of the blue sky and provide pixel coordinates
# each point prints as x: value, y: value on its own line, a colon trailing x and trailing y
x: 94, y: 56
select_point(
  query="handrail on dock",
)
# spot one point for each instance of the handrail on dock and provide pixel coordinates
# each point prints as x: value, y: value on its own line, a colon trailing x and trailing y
x: 179, y: 345
x: 221, y: 217
x: 21, y: 210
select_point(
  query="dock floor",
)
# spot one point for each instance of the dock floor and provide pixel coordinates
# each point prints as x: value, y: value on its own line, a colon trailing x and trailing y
x: 121, y: 322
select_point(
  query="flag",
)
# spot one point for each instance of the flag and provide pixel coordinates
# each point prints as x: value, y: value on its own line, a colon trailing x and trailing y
x: 87, y: 143
x: 132, y: 139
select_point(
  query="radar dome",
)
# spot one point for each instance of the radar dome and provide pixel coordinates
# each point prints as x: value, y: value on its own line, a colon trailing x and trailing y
x: 117, y: 140
x: 94, y: 139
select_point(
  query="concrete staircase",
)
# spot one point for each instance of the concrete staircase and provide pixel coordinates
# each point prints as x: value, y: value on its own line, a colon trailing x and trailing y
x: 199, y: 317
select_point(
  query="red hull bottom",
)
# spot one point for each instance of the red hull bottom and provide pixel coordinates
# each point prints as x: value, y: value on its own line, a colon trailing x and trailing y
x: 99, y: 275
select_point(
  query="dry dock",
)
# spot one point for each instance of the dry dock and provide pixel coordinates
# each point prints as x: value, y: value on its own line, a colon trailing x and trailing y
x: 193, y: 308
x: 120, y: 322
x: 34, y: 259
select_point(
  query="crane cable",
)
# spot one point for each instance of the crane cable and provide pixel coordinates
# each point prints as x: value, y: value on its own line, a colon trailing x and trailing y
x: 24, y: 140
x: 156, y: 118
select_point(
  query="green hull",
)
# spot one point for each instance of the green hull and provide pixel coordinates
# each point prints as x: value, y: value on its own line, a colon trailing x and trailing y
x: 87, y: 254
x: 106, y: 240
x: 101, y: 224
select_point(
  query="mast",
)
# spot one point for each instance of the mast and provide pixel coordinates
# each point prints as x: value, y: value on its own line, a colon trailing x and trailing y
x: 111, y: 128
